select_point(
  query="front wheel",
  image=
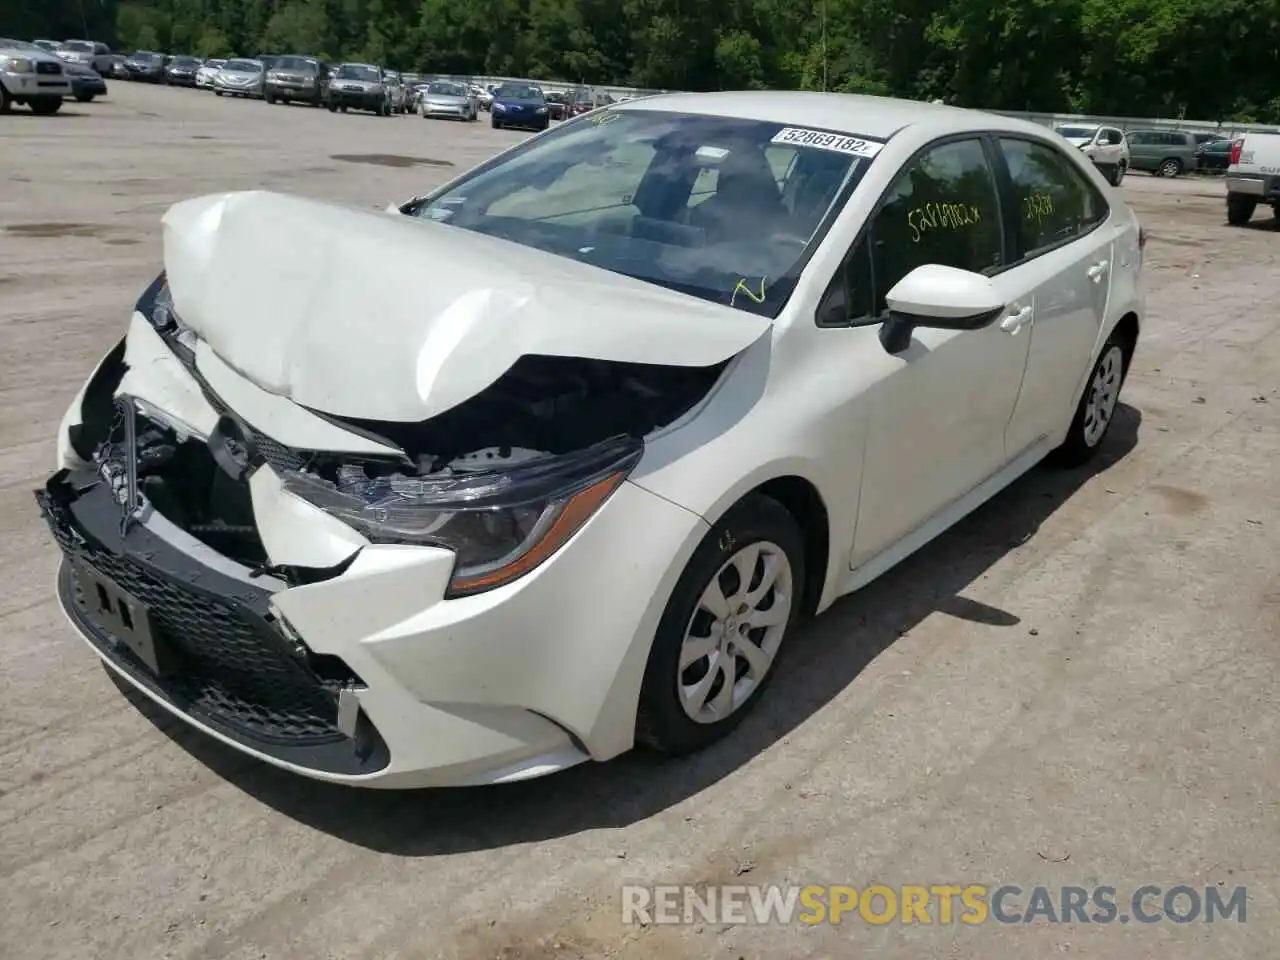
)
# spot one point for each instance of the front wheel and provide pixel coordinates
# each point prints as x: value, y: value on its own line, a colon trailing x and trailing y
x: 495, y: 124
x: 217, y: 93
x: 723, y: 628
x: 1097, y: 407
x: 1117, y: 174
x: 6, y: 101
x: 84, y: 97
x: 46, y: 106
x: 1240, y: 208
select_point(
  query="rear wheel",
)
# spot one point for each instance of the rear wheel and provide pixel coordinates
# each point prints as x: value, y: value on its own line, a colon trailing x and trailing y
x: 1097, y: 406
x: 723, y: 628
x: 1240, y: 208
x: 84, y: 97
x: 1117, y: 174
x: 1169, y: 168
x: 495, y: 124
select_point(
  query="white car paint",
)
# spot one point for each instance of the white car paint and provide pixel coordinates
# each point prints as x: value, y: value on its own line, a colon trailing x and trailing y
x: 20, y: 81
x: 546, y: 670
x: 429, y: 346
x: 1107, y: 147
x: 207, y: 71
x: 1254, y: 176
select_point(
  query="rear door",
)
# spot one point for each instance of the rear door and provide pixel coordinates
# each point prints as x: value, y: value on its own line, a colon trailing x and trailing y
x: 1065, y: 242
x: 1142, y: 150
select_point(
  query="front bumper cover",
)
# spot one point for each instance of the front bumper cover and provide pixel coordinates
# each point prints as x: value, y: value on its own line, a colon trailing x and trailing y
x: 229, y: 665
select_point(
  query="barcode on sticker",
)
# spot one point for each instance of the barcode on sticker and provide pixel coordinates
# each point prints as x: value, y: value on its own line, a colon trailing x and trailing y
x: 800, y: 137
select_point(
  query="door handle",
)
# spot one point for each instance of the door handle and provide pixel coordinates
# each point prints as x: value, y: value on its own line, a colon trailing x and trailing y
x: 1098, y: 270
x: 1016, y: 321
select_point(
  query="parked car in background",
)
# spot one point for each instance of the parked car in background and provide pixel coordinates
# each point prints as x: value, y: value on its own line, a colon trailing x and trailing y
x: 31, y: 76
x: 448, y: 99
x: 557, y: 104
x: 181, y: 71
x: 1163, y: 153
x: 358, y: 86
x: 1214, y: 156
x: 520, y: 105
x: 585, y: 99
x: 486, y: 96
x: 396, y: 101
x: 88, y: 53
x: 116, y: 68
x: 86, y: 83
x: 301, y: 79
x: 240, y: 78
x: 145, y: 65
x: 1253, y: 176
x: 1105, y: 146
x: 1203, y: 138
x: 268, y: 60
x: 204, y: 76
x: 48, y: 46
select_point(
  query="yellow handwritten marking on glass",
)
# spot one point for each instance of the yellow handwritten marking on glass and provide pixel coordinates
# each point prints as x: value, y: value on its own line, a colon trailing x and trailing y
x: 1037, y: 207
x: 607, y: 117
x: 941, y: 216
x: 743, y: 288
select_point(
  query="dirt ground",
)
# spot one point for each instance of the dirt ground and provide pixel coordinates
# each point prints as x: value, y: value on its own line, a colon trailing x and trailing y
x: 1075, y: 686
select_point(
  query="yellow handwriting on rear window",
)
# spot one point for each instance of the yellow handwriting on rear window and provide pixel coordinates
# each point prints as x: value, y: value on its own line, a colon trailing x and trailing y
x: 744, y: 288
x: 941, y: 216
x: 1037, y: 207
x: 608, y: 116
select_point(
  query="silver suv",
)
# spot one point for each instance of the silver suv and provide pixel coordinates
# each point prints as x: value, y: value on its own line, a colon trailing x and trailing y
x: 31, y: 75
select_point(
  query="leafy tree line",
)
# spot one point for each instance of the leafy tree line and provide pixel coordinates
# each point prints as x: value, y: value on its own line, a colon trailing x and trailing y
x: 1205, y: 59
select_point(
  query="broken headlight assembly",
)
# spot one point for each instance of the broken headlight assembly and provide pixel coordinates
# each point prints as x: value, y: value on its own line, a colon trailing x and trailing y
x: 501, y: 522
x: 156, y: 304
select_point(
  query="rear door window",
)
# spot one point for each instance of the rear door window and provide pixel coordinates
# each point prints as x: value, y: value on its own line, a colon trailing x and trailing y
x: 1056, y: 203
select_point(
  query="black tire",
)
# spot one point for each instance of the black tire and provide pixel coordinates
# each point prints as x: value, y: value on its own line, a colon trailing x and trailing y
x: 1109, y: 372
x: 1171, y: 167
x: 661, y: 721
x: 333, y: 107
x: 217, y: 93
x: 495, y: 124
x: 271, y: 101
x: 45, y: 106
x: 1117, y: 174
x: 84, y: 97
x: 6, y: 101
x: 1240, y: 208
x: 343, y: 109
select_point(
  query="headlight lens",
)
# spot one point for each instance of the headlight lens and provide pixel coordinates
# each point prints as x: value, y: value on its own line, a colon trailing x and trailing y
x: 499, y: 107
x: 542, y: 109
x: 501, y: 524
x: 17, y: 64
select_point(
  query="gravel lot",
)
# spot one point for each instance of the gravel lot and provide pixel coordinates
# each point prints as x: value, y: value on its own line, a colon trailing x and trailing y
x: 1075, y: 686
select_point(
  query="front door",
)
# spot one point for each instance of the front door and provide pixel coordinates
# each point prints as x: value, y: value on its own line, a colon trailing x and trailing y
x: 937, y: 412
x: 1066, y: 241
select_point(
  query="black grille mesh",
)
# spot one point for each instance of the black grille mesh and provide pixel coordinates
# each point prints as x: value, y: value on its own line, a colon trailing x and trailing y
x: 45, y: 66
x: 231, y: 667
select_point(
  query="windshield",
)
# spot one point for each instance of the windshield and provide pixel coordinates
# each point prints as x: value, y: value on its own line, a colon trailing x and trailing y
x: 721, y: 208
x: 8, y: 44
x: 244, y: 66
x: 185, y: 62
x: 301, y: 64
x: 355, y: 71
x: 79, y: 46
x: 1077, y: 133
x: 517, y: 91
x: 443, y: 88
x: 147, y: 55
x: 215, y: 63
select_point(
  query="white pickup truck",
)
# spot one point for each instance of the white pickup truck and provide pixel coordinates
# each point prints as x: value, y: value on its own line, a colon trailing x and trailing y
x: 1253, y: 176
x: 32, y: 76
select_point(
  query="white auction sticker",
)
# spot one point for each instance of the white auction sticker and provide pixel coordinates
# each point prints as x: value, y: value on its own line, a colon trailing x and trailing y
x: 800, y: 137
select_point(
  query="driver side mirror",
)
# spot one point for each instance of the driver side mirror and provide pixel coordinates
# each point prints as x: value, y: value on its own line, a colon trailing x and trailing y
x: 938, y: 297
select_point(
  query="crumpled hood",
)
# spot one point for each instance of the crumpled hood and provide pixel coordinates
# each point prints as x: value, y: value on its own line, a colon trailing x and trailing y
x: 380, y: 316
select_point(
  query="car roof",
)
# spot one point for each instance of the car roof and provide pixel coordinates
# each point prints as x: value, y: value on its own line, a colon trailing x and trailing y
x: 879, y: 117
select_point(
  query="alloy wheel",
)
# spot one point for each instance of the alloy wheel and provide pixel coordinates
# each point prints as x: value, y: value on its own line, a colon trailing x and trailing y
x: 735, y: 632
x: 1104, y: 392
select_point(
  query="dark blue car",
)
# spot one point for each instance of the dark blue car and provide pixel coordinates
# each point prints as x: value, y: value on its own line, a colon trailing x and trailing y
x: 519, y: 105
x: 85, y: 82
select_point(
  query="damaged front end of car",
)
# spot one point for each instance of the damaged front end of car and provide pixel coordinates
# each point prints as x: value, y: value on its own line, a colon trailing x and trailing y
x: 184, y: 521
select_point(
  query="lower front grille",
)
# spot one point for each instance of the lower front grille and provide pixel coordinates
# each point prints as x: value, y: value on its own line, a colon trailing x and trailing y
x: 231, y: 666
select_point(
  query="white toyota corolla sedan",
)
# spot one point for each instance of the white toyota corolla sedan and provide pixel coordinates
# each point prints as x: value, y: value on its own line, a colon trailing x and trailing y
x: 552, y: 461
